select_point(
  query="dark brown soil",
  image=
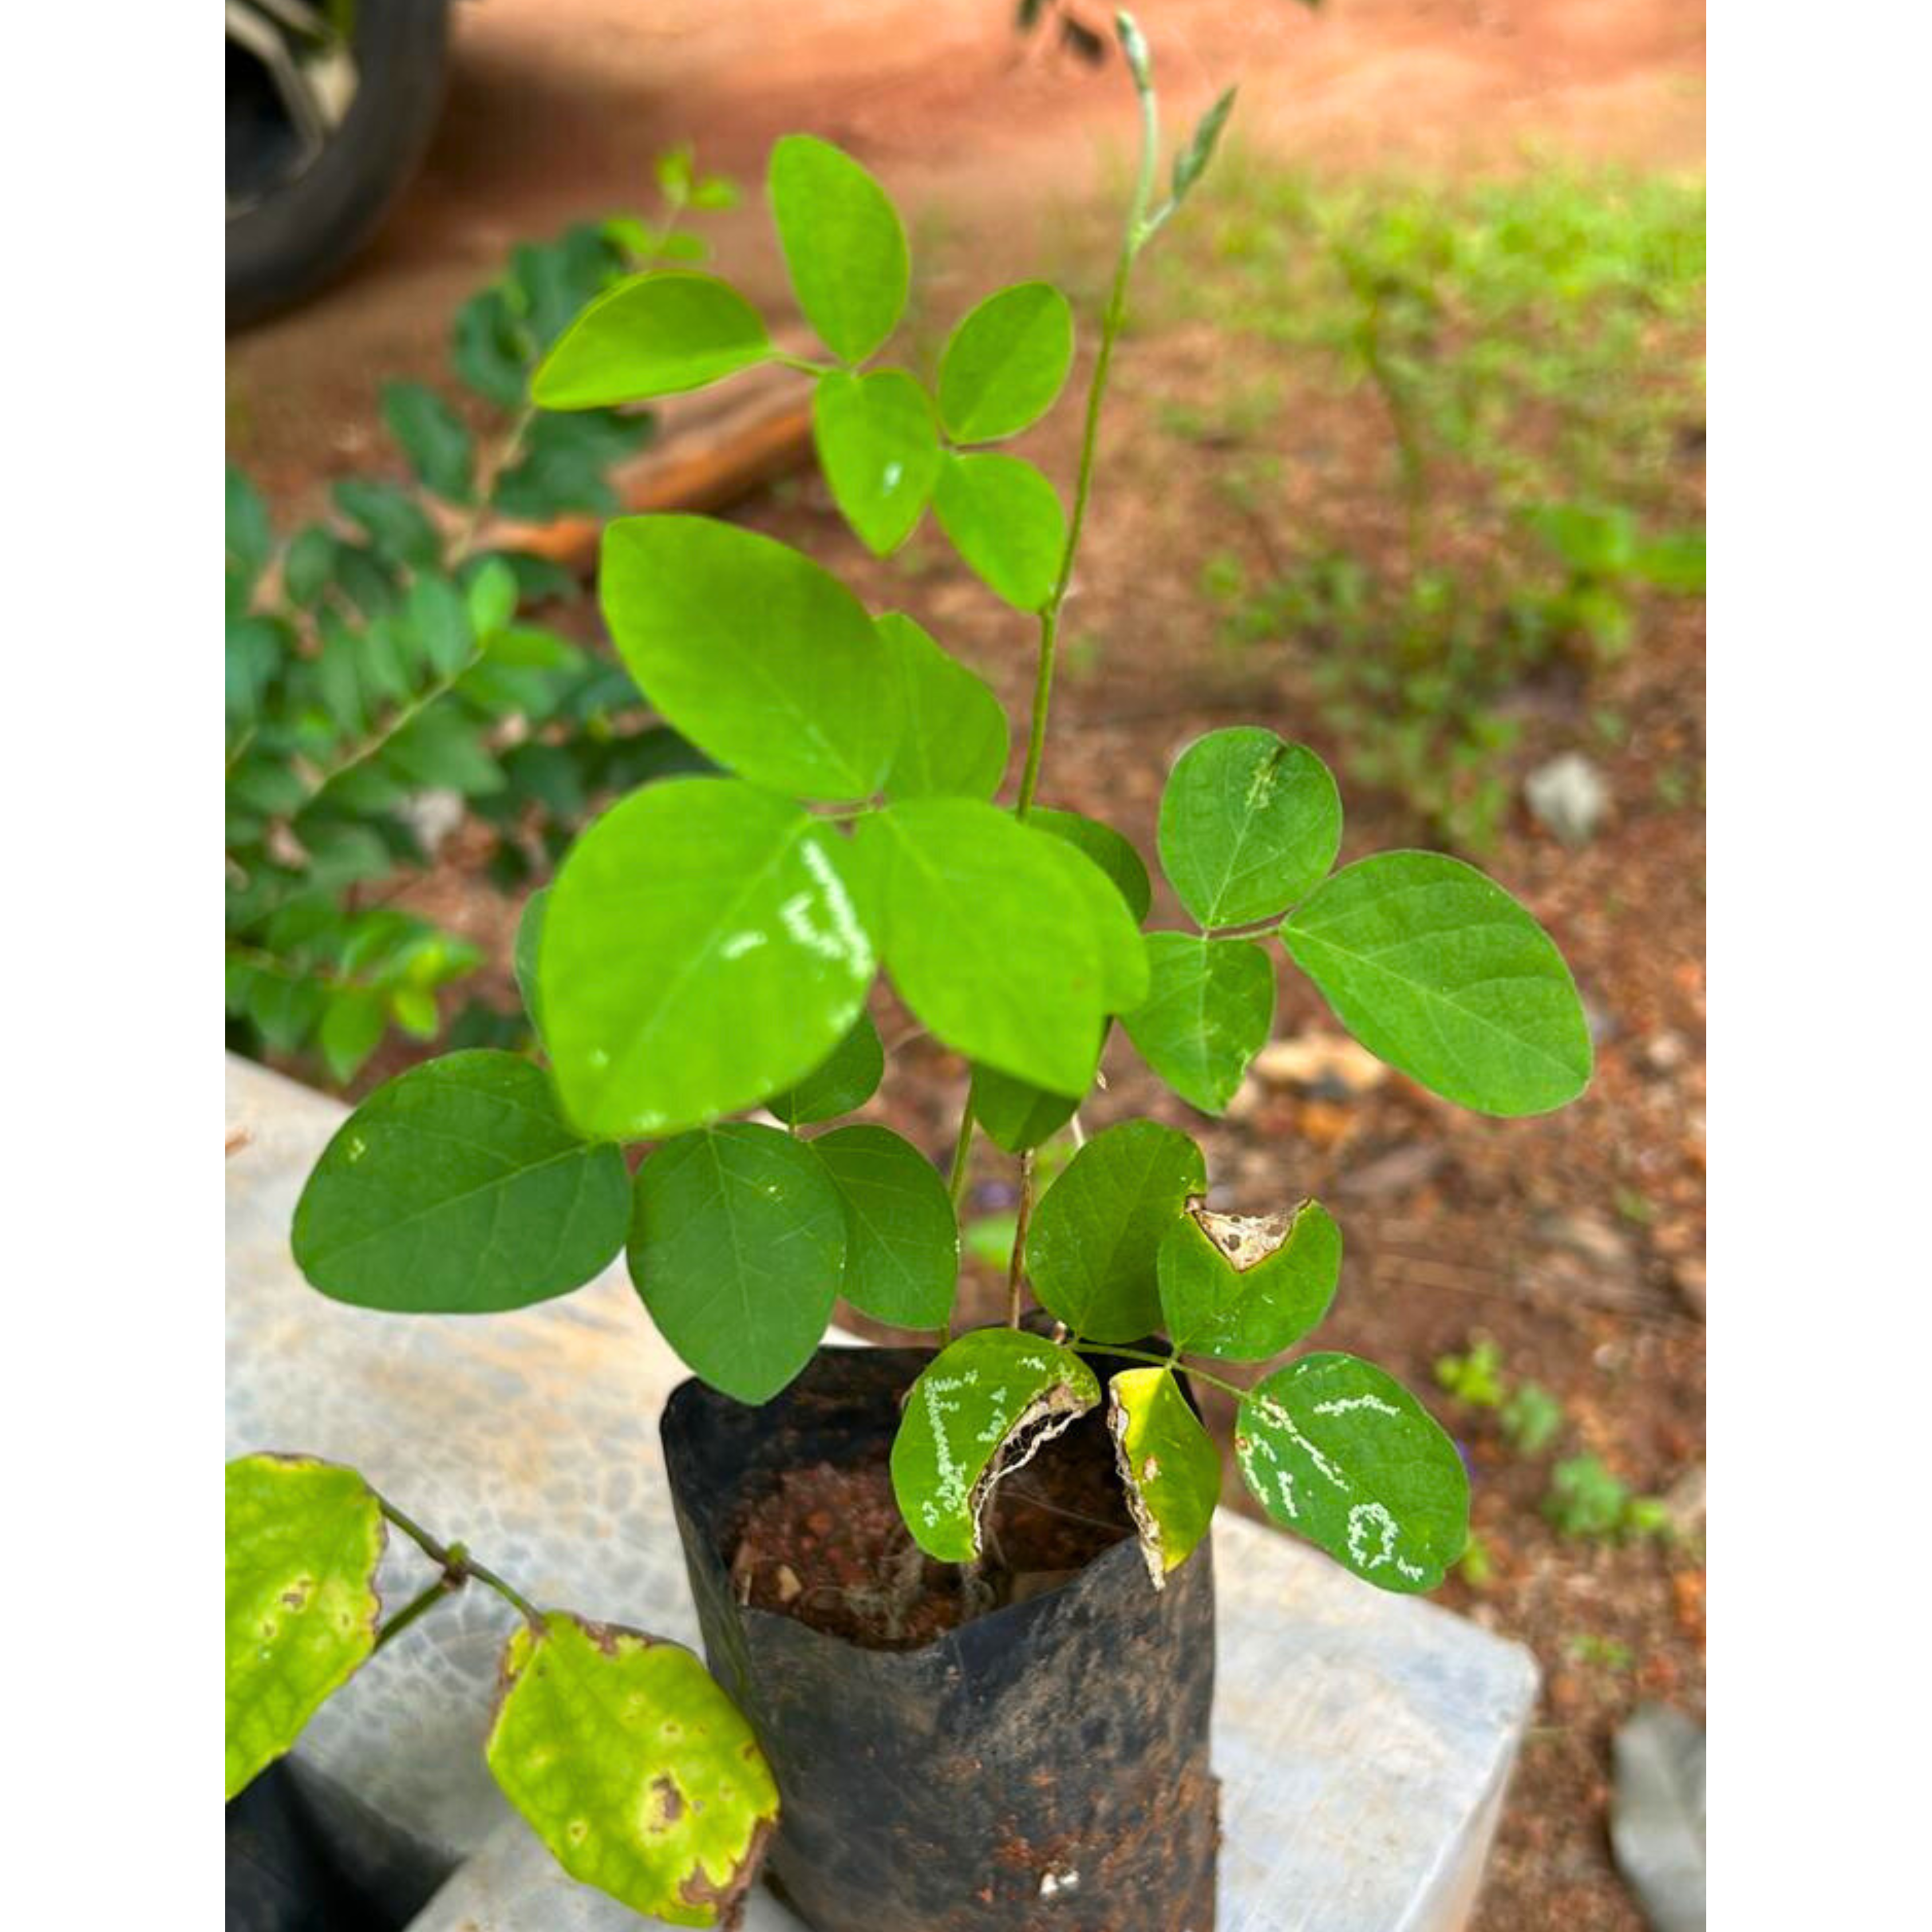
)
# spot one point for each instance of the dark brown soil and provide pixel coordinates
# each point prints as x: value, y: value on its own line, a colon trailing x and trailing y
x: 828, y: 1546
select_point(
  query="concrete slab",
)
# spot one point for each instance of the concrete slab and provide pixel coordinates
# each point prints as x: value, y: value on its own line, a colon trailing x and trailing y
x: 1362, y: 1740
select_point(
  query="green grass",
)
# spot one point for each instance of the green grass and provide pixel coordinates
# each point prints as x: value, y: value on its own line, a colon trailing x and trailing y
x: 1505, y: 372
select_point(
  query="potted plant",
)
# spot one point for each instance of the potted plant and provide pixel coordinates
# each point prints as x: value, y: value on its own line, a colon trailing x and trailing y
x: 955, y: 1698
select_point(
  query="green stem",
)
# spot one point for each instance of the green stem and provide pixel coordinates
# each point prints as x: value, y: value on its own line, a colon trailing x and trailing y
x: 1016, y: 1264
x: 1111, y: 320
x: 962, y: 1150
x: 531, y: 1614
x: 507, y: 452
x: 447, y: 1585
x: 1172, y: 1361
x: 457, y: 1566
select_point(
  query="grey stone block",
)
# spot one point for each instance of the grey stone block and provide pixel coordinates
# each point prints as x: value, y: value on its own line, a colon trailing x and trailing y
x: 1362, y: 1740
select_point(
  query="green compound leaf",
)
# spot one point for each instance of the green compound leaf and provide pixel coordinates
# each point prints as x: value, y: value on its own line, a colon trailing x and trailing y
x: 955, y: 736
x: 1017, y: 1116
x: 1106, y: 848
x: 762, y: 660
x: 993, y: 939
x: 1334, y: 1447
x: 1005, y: 362
x: 1248, y: 825
x: 1243, y: 1288
x: 458, y: 1188
x: 1209, y: 1010
x: 879, y: 448
x: 305, y: 1538
x: 701, y: 950
x: 652, y: 335
x: 434, y: 438
x: 844, y: 246
x: 1091, y: 1250
x: 985, y: 1405
x: 737, y: 1246
x: 1004, y: 518
x: 633, y: 1767
x: 1168, y: 1463
x: 1436, y: 970
x: 902, y: 1239
x: 847, y: 1079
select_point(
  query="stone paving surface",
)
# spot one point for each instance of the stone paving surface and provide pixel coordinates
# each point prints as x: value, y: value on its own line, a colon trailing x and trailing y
x: 1362, y: 1740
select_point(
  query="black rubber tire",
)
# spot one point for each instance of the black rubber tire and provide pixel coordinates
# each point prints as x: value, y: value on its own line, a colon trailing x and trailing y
x: 291, y: 242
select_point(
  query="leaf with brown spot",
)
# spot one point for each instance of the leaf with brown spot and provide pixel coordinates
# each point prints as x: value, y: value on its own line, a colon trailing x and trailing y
x: 633, y: 1767
x: 304, y: 1539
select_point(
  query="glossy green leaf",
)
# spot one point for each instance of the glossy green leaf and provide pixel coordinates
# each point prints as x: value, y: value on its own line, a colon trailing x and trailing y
x: 435, y: 439
x: 737, y: 1247
x: 1248, y: 824
x: 879, y: 448
x: 847, y: 1077
x: 844, y: 246
x: 702, y: 948
x: 1111, y: 930
x: 305, y: 1538
x: 1107, y: 849
x: 983, y: 1406
x: 1436, y: 970
x: 1209, y: 1010
x: 1091, y: 1250
x: 651, y: 335
x: 1005, y: 363
x: 990, y: 940
x: 955, y: 737
x: 1004, y: 518
x: 526, y: 952
x: 631, y: 1765
x: 902, y: 1239
x: 458, y: 1188
x: 1015, y: 1115
x: 1168, y: 1466
x: 351, y: 1028
x: 1242, y: 1288
x: 1337, y: 1449
x: 756, y: 654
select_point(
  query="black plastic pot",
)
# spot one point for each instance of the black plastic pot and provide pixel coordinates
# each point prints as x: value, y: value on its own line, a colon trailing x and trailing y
x: 1042, y: 1768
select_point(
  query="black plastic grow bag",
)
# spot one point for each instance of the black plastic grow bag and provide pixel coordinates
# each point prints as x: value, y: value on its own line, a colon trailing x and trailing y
x: 1043, y: 1768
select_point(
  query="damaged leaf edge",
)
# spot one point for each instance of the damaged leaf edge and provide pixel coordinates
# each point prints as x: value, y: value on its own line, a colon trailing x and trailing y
x: 1148, y: 1530
x: 1051, y: 1413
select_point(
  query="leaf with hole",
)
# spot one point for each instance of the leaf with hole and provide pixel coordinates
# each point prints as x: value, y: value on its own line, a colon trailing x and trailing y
x: 1248, y: 824
x: 654, y: 335
x: 1436, y: 970
x: 305, y: 1538
x: 984, y: 1406
x: 992, y: 940
x: 844, y: 246
x: 703, y: 948
x: 1337, y: 1449
x: 1005, y: 363
x: 629, y: 1762
x: 954, y: 738
x: 1090, y: 1252
x: 458, y: 1188
x: 847, y: 1077
x: 1208, y: 1011
x: 1242, y: 1288
x: 1004, y: 518
x: 1168, y: 1466
x: 902, y: 1241
x: 737, y: 1246
x: 879, y: 448
x: 762, y: 659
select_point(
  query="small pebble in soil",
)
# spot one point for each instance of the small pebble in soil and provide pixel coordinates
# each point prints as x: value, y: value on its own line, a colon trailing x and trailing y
x: 1567, y: 796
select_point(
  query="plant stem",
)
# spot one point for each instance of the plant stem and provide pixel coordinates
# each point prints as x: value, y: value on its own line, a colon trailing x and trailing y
x: 1173, y: 1361
x: 437, y: 1553
x: 962, y: 1150
x: 507, y: 451
x: 457, y: 1566
x: 515, y: 1598
x: 1111, y: 321
x: 447, y: 1585
x: 1016, y: 1265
